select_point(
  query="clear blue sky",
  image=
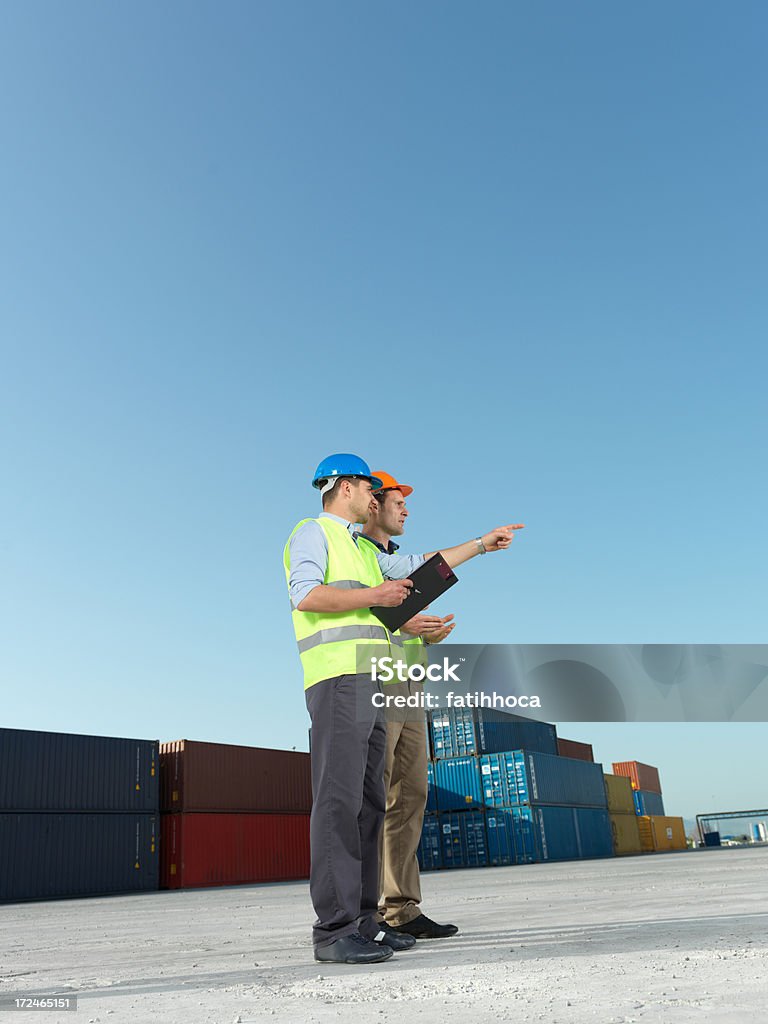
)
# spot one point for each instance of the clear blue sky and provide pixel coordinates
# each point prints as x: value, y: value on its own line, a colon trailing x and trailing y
x: 513, y: 253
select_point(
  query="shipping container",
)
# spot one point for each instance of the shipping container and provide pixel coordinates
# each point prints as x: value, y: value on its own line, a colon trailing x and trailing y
x: 51, y: 771
x: 429, y: 852
x: 457, y: 732
x: 457, y: 784
x: 647, y: 802
x: 524, y: 777
x: 626, y: 834
x: 211, y: 849
x: 522, y: 835
x: 509, y: 834
x: 198, y: 776
x: 712, y: 839
x: 48, y: 856
x: 618, y: 791
x: 659, y: 834
x: 572, y: 748
x: 642, y: 776
x: 463, y: 839
x: 431, y: 806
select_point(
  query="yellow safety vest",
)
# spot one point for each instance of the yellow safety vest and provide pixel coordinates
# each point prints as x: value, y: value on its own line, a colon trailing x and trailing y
x: 413, y: 646
x: 328, y: 641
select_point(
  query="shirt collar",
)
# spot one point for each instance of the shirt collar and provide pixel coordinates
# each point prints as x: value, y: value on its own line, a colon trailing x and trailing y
x: 389, y: 550
x: 353, y: 528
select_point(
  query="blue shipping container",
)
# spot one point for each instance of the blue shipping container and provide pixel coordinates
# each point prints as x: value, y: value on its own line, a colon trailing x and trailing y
x: 44, y: 856
x: 648, y: 803
x: 463, y: 839
x: 522, y: 835
x: 429, y: 853
x: 524, y: 777
x: 431, y: 806
x: 457, y: 784
x: 50, y: 771
x: 457, y: 732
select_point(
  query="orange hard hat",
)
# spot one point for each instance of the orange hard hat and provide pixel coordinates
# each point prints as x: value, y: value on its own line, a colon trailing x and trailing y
x: 388, y: 483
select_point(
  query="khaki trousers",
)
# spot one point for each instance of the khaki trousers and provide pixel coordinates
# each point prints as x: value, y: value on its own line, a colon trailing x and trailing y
x: 405, y: 781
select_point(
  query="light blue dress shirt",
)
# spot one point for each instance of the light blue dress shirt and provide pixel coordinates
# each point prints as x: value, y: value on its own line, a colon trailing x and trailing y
x: 309, y: 558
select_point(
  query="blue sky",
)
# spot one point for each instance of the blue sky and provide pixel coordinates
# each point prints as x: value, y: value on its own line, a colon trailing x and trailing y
x: 515, y: 255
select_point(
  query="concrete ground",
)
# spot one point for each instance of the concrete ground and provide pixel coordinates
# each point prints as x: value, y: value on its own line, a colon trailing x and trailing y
x: 662, y: 938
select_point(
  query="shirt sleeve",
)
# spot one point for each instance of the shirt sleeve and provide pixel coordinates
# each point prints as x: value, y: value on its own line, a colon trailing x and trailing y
x: 308, y: 552
x: 397, y: 567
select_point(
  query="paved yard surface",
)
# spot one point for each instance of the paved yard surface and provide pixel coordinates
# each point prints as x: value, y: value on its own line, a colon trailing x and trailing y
x: 665, y: 938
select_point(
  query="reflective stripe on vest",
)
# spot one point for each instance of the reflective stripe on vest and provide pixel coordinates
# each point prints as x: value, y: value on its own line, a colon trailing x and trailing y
x: 328, y: 641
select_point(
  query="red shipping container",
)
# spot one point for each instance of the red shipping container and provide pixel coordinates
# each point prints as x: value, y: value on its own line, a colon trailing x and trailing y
x: 642, y: 776
x: 198, y: 776
x: 199, y: 850
x: 572, y: 748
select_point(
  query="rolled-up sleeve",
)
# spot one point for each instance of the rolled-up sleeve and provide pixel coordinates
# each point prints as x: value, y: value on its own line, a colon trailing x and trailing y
x: 397, y: 567
x: 308, y: 552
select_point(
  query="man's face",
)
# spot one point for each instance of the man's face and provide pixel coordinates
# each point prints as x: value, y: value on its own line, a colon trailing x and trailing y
x: 360, y: 499
x: 392, y: 513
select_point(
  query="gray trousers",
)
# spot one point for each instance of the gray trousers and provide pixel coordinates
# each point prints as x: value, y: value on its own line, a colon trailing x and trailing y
x: 349, y: 739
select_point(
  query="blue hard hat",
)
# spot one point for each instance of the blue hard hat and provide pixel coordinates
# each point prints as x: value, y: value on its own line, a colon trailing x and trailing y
x: 344, y: 465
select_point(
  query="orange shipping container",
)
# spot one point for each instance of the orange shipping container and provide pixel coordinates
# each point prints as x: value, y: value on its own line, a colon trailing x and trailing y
x: 658, y: 834
x: 572, y: 748
x: 626, y: 834
x: 642, y: 776
x: 618, y: 789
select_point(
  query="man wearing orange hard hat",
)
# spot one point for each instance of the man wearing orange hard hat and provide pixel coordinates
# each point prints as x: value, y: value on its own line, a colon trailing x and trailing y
x: 405, y: 772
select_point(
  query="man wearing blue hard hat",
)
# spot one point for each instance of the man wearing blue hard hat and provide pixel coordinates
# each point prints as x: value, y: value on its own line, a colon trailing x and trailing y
x: 333, y: 582
x: 334, y: 578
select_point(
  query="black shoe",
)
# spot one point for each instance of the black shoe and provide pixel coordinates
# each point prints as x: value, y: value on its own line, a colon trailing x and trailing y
x: 394, y: 939
x: 352, y: 949
x: 423, y: 928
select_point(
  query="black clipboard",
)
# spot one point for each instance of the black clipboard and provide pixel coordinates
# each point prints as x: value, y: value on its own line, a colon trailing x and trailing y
x: 430, y: 580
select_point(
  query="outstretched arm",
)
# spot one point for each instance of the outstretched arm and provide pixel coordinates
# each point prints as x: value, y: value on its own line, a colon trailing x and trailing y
x: 495, y: 540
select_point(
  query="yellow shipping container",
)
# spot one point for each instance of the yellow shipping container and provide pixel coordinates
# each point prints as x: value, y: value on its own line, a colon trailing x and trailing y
x: 618, y: 789
x: 626, y: 834
x: 662, y: 833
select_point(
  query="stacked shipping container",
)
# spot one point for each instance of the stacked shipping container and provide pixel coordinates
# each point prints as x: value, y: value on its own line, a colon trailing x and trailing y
x: 79, y: 815
x: 572, y: 748
x: 233, y: 814
x: 489, y: 804
x: 656, y: 832
x: 621, y: 808
x: 500, y: 794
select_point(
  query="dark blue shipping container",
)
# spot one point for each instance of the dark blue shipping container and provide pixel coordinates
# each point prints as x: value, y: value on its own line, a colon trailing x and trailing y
x: 522, y: 835
x: 524, y: 777
x: 429, y: 852
x: 457, y: 732
x: 648, y: 803
x: 50, y: 771
x: 431, y: 807
x: 463, y: 839
x: 457, y: 784
x: 45, y: 856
